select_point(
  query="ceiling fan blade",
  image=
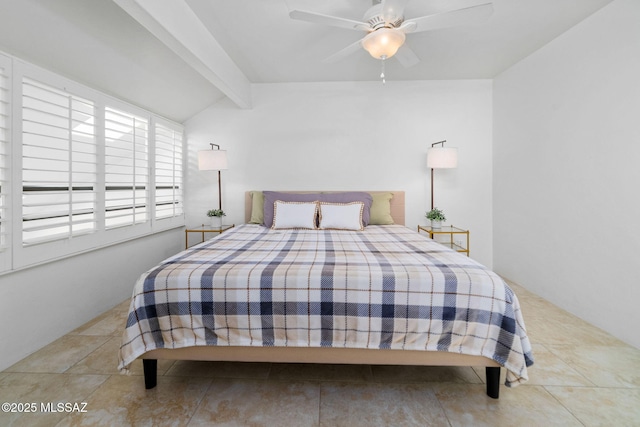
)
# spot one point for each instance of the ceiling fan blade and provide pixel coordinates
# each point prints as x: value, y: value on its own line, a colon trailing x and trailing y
x: 452, y: 18
x: 393, y: 9
x: 406, y: 56
x: 341, y: 54
x: 333, y: 21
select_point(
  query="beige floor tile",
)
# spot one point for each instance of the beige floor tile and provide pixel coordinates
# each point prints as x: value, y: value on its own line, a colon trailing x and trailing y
x: 112, y: 323
x: 515, y: 286
x: 468, y: 405
x: 104, y: 360
x: 565, y: 329
x: 320, y: 372
x: 605, y: 366
x: 123, y: 306
x: 373, y: 404
x: 191, y: 368
x: 534, y: 305
x: 44, y: 390
x: 586, y: 332
x: 259, y: 403
x: 60, y: 355
x: 601, y: 406
x: 564, y: 326
x: 525, y: 295
x: 527, y: 298
x: 123, y: 401
x: 549, y: 369
x: 422, y: 374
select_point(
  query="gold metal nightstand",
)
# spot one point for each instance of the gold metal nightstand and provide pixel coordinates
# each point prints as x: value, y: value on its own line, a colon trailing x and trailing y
x: 204, y: 229
x: 453, y: 243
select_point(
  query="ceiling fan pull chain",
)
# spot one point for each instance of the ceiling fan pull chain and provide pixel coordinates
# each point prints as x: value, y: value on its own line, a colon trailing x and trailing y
x: 382, y: 73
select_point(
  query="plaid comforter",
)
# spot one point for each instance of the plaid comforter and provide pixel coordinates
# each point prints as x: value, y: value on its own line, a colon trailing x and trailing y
x: 386, y: 287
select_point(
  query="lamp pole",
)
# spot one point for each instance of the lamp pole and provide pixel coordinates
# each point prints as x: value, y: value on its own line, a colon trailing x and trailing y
x: 220, y: 179
x: 433, y: 145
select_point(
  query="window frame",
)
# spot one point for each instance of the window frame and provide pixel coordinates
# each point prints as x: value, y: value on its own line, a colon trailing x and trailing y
x: 6, y: 223
x: 21, y: 256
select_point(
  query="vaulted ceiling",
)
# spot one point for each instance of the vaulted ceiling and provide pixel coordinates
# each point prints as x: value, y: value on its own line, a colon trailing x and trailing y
x: 175, y: 57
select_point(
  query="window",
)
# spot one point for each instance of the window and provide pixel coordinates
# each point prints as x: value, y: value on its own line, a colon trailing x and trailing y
x: 126, y: 167
x: 168, y: 166
x: 58, y: 164
x: 79, y: 170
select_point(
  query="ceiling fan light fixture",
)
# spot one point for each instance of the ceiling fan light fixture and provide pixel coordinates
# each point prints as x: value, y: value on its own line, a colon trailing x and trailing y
x: 383, y: 43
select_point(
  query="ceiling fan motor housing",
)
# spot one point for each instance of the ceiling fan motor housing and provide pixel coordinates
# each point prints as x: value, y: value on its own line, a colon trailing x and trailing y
x: 374, y: 17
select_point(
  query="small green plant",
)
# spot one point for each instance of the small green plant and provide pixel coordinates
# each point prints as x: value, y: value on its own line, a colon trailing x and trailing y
x: 216, y: 212
x: 436, y: 214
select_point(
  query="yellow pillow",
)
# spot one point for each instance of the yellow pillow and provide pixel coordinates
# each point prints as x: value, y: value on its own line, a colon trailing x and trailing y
x: 257, y: 207
x: 381, y: 209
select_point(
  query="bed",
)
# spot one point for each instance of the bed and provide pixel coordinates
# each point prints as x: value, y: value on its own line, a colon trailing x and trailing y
x: 381, y: 294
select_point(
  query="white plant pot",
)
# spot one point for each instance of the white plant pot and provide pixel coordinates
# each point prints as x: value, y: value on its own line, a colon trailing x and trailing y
x: 436, y: 225
x: 216, y: 222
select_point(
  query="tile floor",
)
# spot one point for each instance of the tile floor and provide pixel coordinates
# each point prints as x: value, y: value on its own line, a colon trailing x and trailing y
x: 582, y: 376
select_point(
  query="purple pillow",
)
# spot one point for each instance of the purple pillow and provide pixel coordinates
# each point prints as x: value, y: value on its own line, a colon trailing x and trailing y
x: 270, y: 198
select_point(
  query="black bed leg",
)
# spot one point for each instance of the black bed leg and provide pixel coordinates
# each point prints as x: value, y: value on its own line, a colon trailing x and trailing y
x: 493, y: 382
x: 150, y: 367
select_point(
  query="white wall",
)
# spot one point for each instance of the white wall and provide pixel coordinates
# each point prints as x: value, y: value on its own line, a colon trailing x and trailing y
x: 40, y: 304
x: 352, y: 136
x: 566, y: 174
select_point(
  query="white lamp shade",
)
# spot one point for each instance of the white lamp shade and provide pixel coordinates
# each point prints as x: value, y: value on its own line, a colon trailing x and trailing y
x: 383, y: 43
x: 212, y: 160
x: 442, y: 158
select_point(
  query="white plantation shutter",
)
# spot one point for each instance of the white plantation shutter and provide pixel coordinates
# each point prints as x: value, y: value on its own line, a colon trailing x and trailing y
x: 168, y: 171
x: 80, y: 170
x: 59, y: 164
x: 4, y: 163
x: 126, y: 168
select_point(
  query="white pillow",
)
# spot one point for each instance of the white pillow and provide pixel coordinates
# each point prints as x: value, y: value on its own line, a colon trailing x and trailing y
x: 288, y: 215
x: 341, y: 216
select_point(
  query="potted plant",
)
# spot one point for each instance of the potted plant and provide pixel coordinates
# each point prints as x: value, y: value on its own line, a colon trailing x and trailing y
x: 437, y: 217
x: 216, y: 217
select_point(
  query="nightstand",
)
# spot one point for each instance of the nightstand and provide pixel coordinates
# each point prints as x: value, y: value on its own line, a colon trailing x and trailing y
x: 204, y: 229
x: 458, y: 239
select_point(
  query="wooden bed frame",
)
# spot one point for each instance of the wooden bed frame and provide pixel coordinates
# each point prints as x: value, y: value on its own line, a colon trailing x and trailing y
x: 325, y: 355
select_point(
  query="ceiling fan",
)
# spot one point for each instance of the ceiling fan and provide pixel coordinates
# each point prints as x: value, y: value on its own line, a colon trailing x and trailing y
x: 386, y: 26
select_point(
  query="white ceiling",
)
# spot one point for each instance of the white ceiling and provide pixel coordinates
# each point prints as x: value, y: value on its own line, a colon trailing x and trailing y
x: 270, y: 47
x: 97, y: 42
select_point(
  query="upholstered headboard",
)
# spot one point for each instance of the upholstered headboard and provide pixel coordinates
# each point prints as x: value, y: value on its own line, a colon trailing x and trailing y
x: 397, y: 203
